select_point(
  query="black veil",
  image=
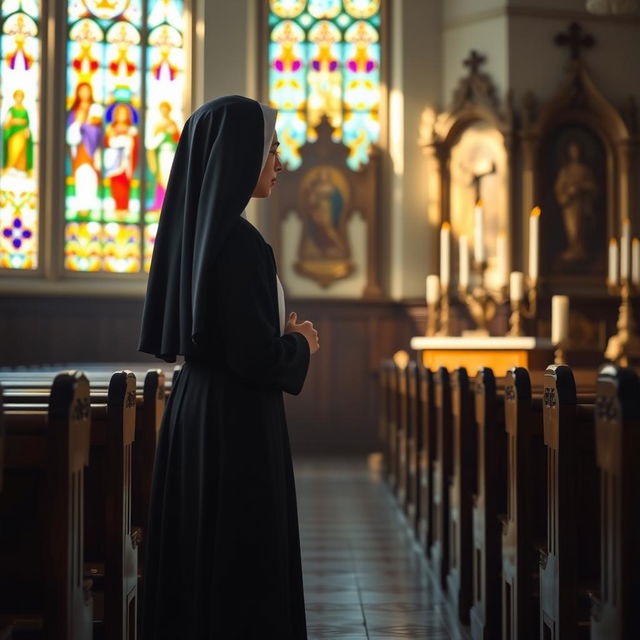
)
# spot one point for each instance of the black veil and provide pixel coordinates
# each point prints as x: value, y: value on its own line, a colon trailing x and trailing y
x: 215, y: 169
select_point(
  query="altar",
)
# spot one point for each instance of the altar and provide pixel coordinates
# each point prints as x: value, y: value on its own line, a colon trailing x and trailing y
x: 499, y: 353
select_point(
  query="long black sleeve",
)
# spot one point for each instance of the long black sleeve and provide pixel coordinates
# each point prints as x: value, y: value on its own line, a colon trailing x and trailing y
x: 246, y: 310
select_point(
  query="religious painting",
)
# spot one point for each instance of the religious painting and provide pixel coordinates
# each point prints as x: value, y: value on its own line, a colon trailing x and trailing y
x: 126, y: 60
x: 324, y: 62
x: 573, y: 195
x: 324, y: 246
x: 478, y: 169
x: 19, y: 117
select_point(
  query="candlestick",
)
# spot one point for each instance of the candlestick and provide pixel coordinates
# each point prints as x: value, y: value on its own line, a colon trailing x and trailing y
x: 635, y: 261
x: 463, y: 280
x: 613, y: 276
x: 501, y: 255
x: 559, y: 319
x: 433, y: 289
x: 534, y: 243
x: 516, y: 286
x: 625, y: 250
x: 445, y: 254
x: 478, y: 246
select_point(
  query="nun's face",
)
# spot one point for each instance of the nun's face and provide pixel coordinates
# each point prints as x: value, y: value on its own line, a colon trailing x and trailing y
x: 269, y: 174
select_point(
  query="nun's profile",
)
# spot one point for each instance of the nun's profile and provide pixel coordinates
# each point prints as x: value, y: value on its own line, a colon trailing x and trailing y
x: 222, y: 545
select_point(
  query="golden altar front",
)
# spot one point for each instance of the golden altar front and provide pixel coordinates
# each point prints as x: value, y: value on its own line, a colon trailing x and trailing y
x: 473, y: 353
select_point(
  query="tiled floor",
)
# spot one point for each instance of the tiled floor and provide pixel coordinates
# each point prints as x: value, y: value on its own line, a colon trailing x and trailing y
x: 363, y: 576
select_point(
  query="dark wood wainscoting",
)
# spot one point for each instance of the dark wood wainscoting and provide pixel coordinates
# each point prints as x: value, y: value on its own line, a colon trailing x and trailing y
x: 336, y: 413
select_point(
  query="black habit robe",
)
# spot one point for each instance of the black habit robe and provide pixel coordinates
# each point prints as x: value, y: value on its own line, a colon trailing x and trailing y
x: 222, y: 543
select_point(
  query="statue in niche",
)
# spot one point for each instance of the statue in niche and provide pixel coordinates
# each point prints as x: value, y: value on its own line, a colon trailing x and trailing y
x: 576, y: 190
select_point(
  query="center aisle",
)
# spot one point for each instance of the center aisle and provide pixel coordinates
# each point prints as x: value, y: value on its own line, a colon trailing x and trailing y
x: 363, y: 577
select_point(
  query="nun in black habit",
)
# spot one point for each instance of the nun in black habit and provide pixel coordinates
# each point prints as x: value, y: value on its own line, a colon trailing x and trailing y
x: 222, y: 545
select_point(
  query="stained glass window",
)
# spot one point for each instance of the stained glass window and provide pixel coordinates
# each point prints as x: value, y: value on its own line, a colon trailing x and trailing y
x: 19, y: 114
x: 324, y: 60
x: 125, y: 93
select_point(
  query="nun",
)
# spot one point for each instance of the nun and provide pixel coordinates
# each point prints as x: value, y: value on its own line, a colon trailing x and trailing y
x: 222, y: 544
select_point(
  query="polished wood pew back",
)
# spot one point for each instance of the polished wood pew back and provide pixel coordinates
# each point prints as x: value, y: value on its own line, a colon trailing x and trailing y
x: 462, y: 488
x: 569, y: 564
x: 613, y: 611
x: 524, y: 526
x: 41, y: 507
x: 426, y: 446
x: 489, y: 507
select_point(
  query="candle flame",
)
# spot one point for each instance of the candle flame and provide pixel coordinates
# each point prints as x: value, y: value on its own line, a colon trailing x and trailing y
x: 627, y: 222
x: 446, y: 225
x: 613, y: 242
x: 535, y: 212
x: 636, y: 241
x: 479, y: 203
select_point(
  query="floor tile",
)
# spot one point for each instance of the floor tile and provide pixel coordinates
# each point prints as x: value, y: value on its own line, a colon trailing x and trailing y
x: 364, y: 578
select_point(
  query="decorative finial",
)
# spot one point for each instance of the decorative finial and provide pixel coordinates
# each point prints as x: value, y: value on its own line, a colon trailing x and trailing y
x: 474, y: 61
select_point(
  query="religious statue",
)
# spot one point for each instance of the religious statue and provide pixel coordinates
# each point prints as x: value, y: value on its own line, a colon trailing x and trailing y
x: 84, y: 135
x: 120, y: 155
x: 161, y: 149
x: 325, y: 203
x: 17, y: 141
x: 576, y: 190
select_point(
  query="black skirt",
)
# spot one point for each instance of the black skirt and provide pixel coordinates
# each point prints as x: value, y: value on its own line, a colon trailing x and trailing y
x: 222, y: 548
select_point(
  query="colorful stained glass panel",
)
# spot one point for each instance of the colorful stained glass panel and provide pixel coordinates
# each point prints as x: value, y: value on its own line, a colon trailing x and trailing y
x: 126, y: 91
x: 165, y: 105
x: 19, y: 114
x: 324, y: 61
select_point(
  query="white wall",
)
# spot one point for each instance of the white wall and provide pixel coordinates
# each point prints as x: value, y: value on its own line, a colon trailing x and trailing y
x: 415, y: 60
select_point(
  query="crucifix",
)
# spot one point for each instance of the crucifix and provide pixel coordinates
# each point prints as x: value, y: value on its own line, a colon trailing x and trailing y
x: 476, y: 179
x: 575, y: 39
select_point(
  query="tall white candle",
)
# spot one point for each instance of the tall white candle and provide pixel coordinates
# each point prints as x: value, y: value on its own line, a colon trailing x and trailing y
x: 625, y: 250
x: 635, y: 261
x: 613, y: 275
x: 445, y: 254
x: 478, y: 228
x: 534, y: 243
x: 501, y: 256
x: 464, y: 262
x: 559, y: 319
x: 433, y: 289
x: 516, y: 285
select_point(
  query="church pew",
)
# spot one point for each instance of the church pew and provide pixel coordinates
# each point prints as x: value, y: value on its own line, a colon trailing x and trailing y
x: 150, y: 401
x: 613, y: 613
x: 392, y: 433
x: 43, y: 592
x: 569, y: 565
x: 489, y: 504
x: 413, y: 445
x: 461, y: 490
x: 442, y: 466
x: 402, y: 437
x: 111, y: 542
x: 149, y: 408
x: 426, y: 451
x: 524, y: 524
x: 385, y: 374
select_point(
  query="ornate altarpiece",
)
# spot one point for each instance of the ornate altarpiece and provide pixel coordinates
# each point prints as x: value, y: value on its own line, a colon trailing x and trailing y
x: 577, y: 158
x: 324, y: 193
x: 470, y: 157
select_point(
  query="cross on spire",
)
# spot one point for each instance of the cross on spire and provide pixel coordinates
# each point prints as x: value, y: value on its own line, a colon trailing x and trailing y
x: 474, y: 61
x: 575, y: 40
